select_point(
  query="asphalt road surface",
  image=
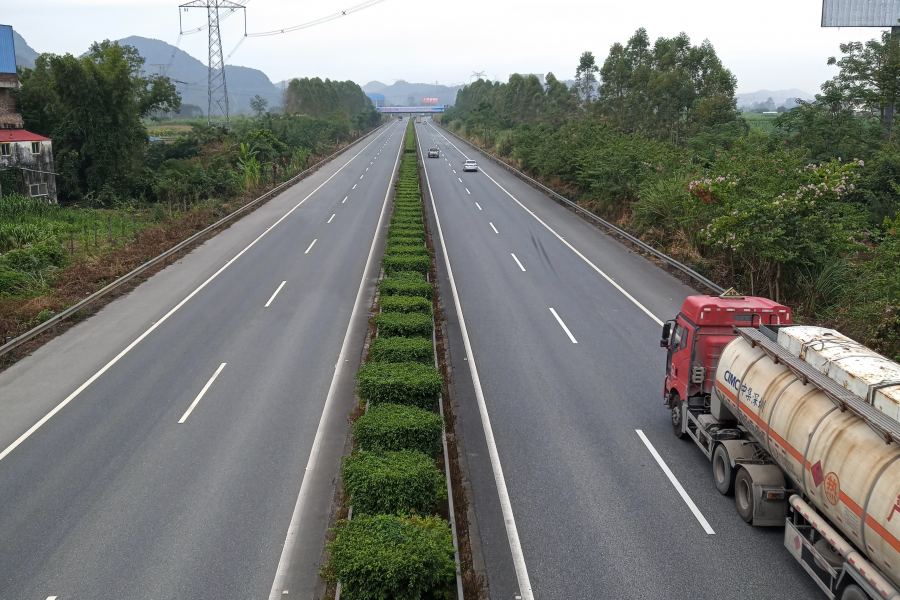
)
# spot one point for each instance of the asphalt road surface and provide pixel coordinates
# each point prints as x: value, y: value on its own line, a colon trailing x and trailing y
x: 570, y: 370
x: 174, y: 470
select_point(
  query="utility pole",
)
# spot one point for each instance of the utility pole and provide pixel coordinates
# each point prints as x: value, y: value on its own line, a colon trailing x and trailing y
x: 218, y: 91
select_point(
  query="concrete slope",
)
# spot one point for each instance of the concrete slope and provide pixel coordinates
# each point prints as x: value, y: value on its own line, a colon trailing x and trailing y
x: 137, y: 489
x: 566, y: 391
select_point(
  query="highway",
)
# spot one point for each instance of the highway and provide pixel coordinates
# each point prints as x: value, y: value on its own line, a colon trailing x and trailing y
x: 158, y: 449
x: 562, y: 324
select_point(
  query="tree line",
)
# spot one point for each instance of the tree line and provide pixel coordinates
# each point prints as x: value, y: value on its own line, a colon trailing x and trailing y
x: 96, y: 109
x: 807, y: 213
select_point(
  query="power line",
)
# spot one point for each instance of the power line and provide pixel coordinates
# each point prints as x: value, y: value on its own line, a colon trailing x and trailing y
x: 332, y: 17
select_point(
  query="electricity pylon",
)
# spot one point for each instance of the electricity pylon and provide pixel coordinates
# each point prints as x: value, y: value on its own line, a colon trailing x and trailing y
x: 218, y: 91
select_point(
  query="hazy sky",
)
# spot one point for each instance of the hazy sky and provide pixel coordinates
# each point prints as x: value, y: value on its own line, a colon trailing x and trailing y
x: 767, y: 45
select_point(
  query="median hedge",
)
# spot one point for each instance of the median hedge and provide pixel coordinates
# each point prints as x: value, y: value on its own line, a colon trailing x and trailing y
x: 405, y: 286
x: 391, y: 428
x: 386, y: 557
x: 404, y: 325
x: 401, y: 349
x: 408, y: 231
x: 407, y: 250
x: 395, y: 264
x: 390, y: 483
x: 405, y: 304
x: 408, y: 383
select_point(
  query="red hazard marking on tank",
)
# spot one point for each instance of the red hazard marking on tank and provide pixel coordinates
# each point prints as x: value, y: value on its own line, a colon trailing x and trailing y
x: 832, y: 488
x: 895, y: 508
x: 797, y: 542
x: 816, y: 472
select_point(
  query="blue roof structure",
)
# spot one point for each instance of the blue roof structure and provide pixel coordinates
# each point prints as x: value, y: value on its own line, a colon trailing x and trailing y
x: 7, y: 50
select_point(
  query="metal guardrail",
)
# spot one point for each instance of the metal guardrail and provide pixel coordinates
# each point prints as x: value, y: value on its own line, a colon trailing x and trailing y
x: 86, y: 304
x: 689, y: 272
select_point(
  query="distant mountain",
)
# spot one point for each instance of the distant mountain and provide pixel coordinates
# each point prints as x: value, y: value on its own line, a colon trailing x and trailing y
x: 190, y: 76
x: 779, y: 97
x: 373, y: 87
x: 25, y: 54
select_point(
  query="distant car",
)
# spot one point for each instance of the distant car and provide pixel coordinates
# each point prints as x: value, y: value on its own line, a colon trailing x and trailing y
x: 434, y: 153
x: 470, y: 165
x: 400, y: 118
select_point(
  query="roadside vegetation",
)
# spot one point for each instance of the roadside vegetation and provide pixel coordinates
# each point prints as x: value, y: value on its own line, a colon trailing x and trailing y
x: 398, y: 543
x: 124, y: 199
x: 803, y: 208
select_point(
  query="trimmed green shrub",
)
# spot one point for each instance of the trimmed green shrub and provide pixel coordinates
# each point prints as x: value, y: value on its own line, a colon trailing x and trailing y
x: 404, y: 325
x: 401, y: 349
x: 385, y: 557
x: 400, y: 240
x: 400, y: 229
x: 407, y: 250
x: 404, y: 286
x: 407, y: 220
x: 391, y: 428
x: 390, y: 483
x: 410, y: 384
x: 405, y: 304
x: 394, y: 263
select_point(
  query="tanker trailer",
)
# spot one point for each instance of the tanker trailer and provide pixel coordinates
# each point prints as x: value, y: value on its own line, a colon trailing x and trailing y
x: 790, y: 437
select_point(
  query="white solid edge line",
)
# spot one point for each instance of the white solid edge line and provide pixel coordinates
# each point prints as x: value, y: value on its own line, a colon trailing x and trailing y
x: 276, y: 293
x: 478, y: 205
x: 492, y: 227
x: 294, y: 528
x: 678, y: 487
x: 332, y: 216
x: 509, y: 520
x: 563, y: 325
x: 514, y: 258
x: 202, y: 392
x: 128, y: 348
x: 570, y: 246
x: 311, y: 245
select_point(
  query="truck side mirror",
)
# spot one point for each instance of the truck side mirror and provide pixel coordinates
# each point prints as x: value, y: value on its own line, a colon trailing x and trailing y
x: 667, y: 330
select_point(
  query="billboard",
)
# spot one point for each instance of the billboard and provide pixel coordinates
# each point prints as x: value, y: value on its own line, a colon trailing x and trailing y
x: 430, y: 100
x: 860, y: 13
x: 411, y: 109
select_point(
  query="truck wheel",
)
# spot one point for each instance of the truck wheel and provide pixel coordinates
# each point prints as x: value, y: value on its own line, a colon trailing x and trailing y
x: 723, y: 473
x: 854, y: 592
x: 743, y: 495
x: 677, y: 418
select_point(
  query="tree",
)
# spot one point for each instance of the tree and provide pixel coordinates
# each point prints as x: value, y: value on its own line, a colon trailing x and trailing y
x: 669, y: 90
x: 586, y: 78
x: 870, y: 76
x: 92, y: 108
x: 258, y: 105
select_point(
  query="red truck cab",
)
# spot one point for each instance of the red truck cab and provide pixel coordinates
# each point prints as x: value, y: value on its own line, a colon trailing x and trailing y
x: 695, y: 338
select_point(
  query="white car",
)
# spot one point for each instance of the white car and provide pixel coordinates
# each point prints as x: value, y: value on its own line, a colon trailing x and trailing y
x: 470, y: 165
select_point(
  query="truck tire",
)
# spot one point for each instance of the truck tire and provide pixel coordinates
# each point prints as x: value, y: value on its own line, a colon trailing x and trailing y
x: 723, y: 473
x: 743, y: 495
x: 854, y: 592
x: 675, y: 405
